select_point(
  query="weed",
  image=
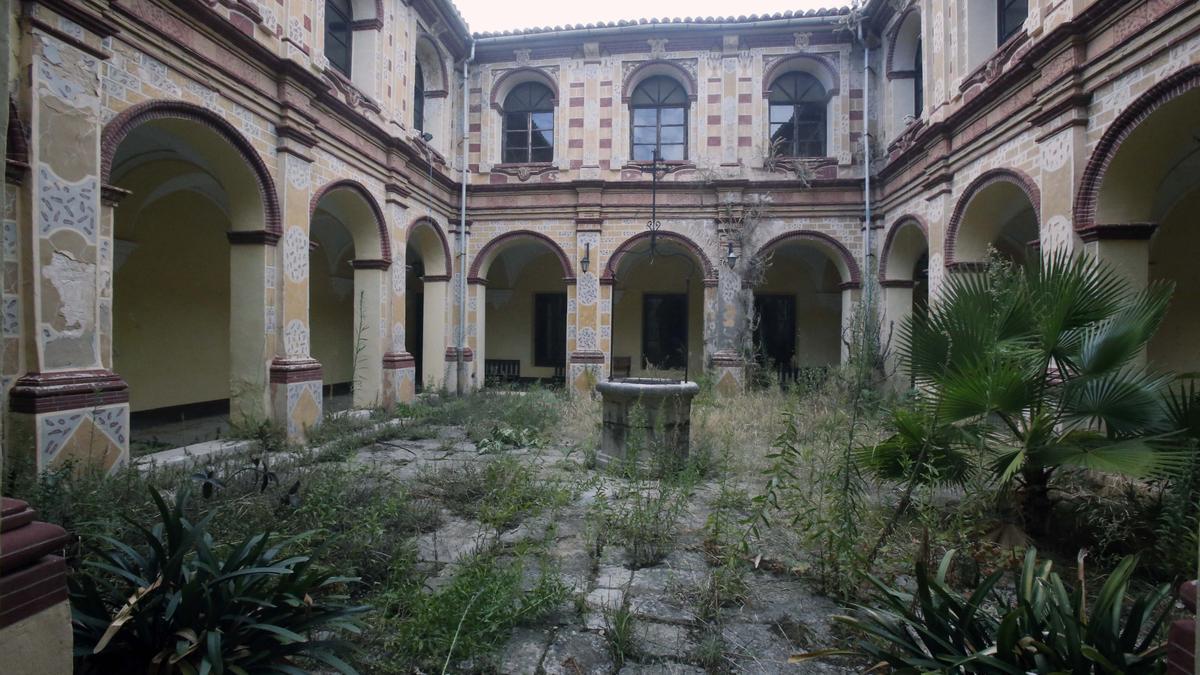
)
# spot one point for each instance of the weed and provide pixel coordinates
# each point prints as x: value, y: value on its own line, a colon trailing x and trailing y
x: 468, y: 617
x: 619, y: 631
x: 501, y: 493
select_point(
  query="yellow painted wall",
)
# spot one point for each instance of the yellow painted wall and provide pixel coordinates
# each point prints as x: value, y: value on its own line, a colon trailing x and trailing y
x: 665, y: 276
x: 814, y: 281
x: 171, y: 303
x: 510, y: 323
x: 331, y: 315
x: 1172, y: 257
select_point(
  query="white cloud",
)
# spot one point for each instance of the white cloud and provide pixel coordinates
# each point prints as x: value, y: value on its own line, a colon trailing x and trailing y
x: 493, y: 15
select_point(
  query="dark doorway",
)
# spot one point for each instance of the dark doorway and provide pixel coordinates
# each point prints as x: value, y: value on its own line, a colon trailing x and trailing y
x: 416, y: 329
x: 664, y: 331
x: 775, y: 332
x: 550, y: 330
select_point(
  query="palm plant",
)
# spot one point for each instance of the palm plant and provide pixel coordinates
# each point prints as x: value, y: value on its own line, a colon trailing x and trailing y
x: 1021, y: 371
x: 181, y: 604
x: 1039, y: 627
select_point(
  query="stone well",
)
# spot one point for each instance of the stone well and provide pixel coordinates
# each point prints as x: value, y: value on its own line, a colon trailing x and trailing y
x: 665, y: 421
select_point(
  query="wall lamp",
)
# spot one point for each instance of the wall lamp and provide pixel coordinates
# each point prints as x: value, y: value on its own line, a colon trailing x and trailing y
x: 426, y: 136
x: 587, y: 257
x: 731, y: 256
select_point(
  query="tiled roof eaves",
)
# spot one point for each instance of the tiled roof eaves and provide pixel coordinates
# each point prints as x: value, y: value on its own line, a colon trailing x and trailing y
x: 696, y: 21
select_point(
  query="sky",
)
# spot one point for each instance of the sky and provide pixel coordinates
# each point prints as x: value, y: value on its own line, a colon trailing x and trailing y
x: 496, y: 15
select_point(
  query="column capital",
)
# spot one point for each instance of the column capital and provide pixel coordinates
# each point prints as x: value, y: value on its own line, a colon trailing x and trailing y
x: 1118, y: 232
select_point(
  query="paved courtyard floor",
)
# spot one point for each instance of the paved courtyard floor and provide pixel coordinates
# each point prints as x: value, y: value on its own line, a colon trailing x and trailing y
x: 676, y: 627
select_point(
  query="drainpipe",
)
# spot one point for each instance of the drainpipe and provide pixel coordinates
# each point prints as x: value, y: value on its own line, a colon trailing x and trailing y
x: 868, y: 249
x: 462, y: 229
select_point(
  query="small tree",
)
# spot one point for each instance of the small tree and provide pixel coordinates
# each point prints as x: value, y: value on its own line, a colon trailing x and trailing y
x: 1021, y: 371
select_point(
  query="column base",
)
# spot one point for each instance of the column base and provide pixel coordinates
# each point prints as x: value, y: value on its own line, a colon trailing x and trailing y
x: 729, y: 372
x: 399, y: 378
x: 78, y: 417
x: 296, y: 400
x: 584, y: 370
x: 452, y: 369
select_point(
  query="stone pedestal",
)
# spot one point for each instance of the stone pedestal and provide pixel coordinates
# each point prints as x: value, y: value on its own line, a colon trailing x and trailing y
x: 35, y: 618
x: 656, y: 411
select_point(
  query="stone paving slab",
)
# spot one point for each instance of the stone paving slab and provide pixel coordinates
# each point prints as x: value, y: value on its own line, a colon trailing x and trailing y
x: 577, y: 653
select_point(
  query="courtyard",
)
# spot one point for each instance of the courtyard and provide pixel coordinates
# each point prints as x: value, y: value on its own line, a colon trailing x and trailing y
x: 343, y: 336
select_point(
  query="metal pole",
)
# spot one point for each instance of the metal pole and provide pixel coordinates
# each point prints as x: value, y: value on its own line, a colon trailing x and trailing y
x: 460, y: 360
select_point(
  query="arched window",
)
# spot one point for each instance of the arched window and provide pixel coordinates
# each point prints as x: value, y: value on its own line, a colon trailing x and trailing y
x: 419, y: 100
x: 659, y: 109
x: 918, y: 82
x: 798, y: 116
x: 1010, y: 17
x: 338, y: 34
x: 529, y: 124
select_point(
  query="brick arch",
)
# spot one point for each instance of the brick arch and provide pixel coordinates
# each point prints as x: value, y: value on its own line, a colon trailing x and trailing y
x: 17, y: 148
x: 518, y: 76
x: 504, y: 239
x: 614, y: 260
x: 441, y: 236
x: 795, y: 63
x: 986, y: 179
x: 385, y: 243
x: 1088, y: 195
x: 120, y: 127
x: 890, y: 239
x: 658, y: 67
x: 847, y: 259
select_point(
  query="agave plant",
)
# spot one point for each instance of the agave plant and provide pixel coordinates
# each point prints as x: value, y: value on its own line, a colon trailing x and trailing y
x: 181, y: 604
x: 1038, y: 627
x: 1022, y: 371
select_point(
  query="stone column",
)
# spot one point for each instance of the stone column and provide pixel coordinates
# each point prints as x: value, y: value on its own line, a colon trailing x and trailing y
x: 399, y: 367
x: 35, y: 617
x: 476, y: 329
x: 728, y: 362
x: 1125, y: 248
x: 369, y: 331
x: 252, y: 334
x: 896, y: 301
x: 851, y: 290
x: 589, y: 315
x: 295, y: 376
x: 66, y: 405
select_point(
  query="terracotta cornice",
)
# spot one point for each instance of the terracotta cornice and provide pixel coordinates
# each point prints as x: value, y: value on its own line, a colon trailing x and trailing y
x: 394, y: 361
x: 587, y: 357
x: 371, y: 264
x: 15, y: 171
x: 111, y: 195
x: 252, y: 237
x: 288, y: 371
x: 35, y: 392
x: 98, y: 23
x: 1118, y: 232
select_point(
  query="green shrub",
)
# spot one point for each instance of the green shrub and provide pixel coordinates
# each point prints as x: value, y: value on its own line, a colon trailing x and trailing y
x: 1039, y: 627
x: 183, y: 604
x: 468, y: 617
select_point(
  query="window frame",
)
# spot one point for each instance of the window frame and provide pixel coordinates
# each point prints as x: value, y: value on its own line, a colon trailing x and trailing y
x: 796, y: 105
x: 918, y: 79
x: 658, y: 108
x: 1002, y: 6
x: 333, y: 10
x: 528, y: 131
x: 419, y: 98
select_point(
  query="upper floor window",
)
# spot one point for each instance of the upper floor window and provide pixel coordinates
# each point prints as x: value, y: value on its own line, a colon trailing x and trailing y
x: 529, y: 124
x: 798, y: 111
x: 659, y: 109
x: 918, y: 82
x: 338, y: 34
x: 1011, y: 16
x: 419, y: 99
